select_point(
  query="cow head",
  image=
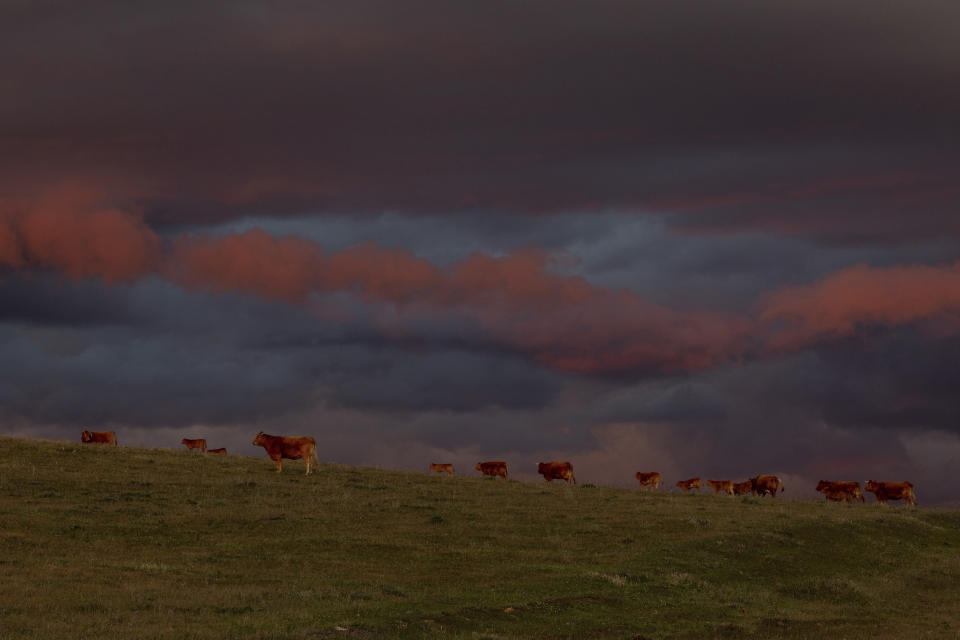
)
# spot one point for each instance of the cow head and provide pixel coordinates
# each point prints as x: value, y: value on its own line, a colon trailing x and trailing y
x: 86, y: 436
x: 822, y: 485
x: 871, y: 486
x: 541, y: 467
x: 260, y: 439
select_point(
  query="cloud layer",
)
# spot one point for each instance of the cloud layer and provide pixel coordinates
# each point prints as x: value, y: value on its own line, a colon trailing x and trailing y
x: 718, y: 239
x: 824, y: 120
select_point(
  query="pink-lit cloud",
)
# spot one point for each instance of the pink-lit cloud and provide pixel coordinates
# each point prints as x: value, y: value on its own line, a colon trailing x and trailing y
x: 837, y: 304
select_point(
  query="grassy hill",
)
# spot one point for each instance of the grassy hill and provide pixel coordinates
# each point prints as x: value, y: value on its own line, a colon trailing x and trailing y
x: 103, y: 542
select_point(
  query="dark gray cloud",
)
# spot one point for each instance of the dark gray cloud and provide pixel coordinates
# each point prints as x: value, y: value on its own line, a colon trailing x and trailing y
x: 151, y: 354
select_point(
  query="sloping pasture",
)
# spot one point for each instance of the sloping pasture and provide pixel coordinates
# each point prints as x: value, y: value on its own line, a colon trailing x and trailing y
x: 104, y: 542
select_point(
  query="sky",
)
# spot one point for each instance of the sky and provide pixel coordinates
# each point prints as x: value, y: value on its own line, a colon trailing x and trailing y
x: 709, y: 239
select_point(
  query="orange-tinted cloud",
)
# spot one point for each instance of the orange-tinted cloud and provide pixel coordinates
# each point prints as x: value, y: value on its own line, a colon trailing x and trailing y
x: 619, y: 332
x: 563, y: 322
x: 79, y: 241
x: 834, y: 306
x: 10, y: 252
x: 284, y: 268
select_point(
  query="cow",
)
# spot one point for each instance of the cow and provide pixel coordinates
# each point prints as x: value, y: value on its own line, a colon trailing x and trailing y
x: 649, y: 480
x: 493, y: 468
x: 442, y: 468
x: 892, y: 491
x: 99, y: 437
x: 689, y: 485
x: 742, y: 488
x: 556, y: 470
x: 838, y: 491
x: 762, y: 485
x: 292, y: 448
x: 725, y: 486
x: 217, y: 452
x: 199, y: 443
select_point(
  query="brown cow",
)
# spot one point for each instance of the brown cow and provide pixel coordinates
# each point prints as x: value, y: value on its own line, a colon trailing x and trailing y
x: 292, y: 448
x: 442, y: 468
x: 688, y: 485
x: 762, y: 485
x: 556, y: 470
x: 217, y: 452
x: 493, y: 468
x: 742, y: 488
x: 199, y: 443
x: 840, y: 491
x: 648, y: 480
x: 99, y: 437
x: 892, y: 491
x: 721, y: 485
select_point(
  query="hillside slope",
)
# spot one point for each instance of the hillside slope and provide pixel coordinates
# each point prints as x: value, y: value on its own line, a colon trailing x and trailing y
x: 103, y: 542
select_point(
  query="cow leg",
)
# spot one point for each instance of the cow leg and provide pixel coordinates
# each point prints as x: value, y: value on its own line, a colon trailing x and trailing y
x: 279, y: 464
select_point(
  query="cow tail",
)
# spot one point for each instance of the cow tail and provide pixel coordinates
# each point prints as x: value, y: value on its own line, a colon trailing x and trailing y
x: 574, y: 478
x: 782, y: 488
x: 313, y: 454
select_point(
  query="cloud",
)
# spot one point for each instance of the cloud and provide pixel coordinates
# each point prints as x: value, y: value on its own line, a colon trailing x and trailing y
x: 563, y: 322
x: 81, y: 243
x: 839, y: 304
x: 517, y: 300
x: 727, y: 116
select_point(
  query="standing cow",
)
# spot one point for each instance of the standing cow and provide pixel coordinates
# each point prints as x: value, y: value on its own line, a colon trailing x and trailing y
x: 556, y: 470
x: 840, y: 491
x: 649, y: 480
x: 292, y: 448
x: 725, y: 486
x: 892, y: 491
x: 446, y: 468
x: 690, y: 485
x: 493, y: 468
x: 99, y: 437
x: 742, y: 488
x: 199, y: 443
x: 762, y: 485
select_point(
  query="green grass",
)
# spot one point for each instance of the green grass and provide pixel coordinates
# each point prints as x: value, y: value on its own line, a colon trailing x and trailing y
x: 103, y: 542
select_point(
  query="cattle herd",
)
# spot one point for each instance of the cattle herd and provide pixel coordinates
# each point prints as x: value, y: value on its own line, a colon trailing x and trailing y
x: 305, y: 448
x: 761, y: 485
